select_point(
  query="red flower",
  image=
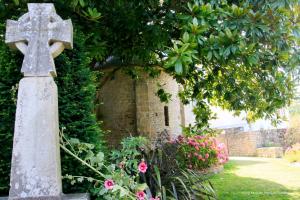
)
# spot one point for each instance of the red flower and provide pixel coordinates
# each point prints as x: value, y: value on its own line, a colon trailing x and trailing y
x: 109, y: 184
x: 143, y: 167
x: 140, y: 195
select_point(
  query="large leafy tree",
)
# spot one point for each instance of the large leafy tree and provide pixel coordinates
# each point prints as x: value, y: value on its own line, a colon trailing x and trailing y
x: 239, y: 55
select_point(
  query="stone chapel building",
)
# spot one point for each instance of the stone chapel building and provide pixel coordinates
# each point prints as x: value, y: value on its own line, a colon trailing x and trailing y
x: 131, y: 107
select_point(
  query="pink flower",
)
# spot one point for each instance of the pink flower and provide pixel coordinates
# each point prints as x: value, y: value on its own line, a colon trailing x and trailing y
x: 191, y: 142
x: 206, y: 155
x: 140, y: 195
x: 221, y: 146
x: 190, y: 166
x: 109, y: 184
x: 199, y: 157
x: 198, y: 137
x: 143, y: 167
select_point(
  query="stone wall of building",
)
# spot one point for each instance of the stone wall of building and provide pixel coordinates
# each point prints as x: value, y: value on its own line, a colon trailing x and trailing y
x: 153, y: 116
x: 117, y: 108
x: 131, y: 107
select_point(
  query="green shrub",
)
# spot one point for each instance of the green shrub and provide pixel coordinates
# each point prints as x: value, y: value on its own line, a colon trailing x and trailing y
x: 10, y: 63
x: 76, y: 95
x: 292, y: 154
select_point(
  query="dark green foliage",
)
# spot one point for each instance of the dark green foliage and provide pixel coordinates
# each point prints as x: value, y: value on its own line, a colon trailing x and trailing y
x: 76, y: 88
x: 10, y: 63
x: 238, y: 55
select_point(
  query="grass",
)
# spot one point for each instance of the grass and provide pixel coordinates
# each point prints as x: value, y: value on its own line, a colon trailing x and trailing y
x: 257, y: 179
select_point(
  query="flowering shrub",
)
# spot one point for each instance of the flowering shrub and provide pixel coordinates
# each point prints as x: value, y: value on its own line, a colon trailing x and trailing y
x: 200, y: 152
x: 292, y: 154
x: 137, y: 172
x: 166, y: 179
x: 117, y: 180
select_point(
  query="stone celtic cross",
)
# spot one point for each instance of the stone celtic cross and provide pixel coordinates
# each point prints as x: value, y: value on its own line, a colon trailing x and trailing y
x: 40, y: 35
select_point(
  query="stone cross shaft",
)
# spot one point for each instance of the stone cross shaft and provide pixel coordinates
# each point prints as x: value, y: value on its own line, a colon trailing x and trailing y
x: 40, y: 35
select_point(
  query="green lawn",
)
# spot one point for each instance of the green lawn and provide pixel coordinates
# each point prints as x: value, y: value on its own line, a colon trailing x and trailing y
x: 246, y: 178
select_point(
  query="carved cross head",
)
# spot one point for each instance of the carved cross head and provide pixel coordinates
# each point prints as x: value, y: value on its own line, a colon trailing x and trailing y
x: 40, y: 35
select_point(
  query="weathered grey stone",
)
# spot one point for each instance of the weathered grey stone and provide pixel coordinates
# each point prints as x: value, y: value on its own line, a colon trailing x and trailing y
x: 35, y: 168
x: 83, y: 196
x: 40, y: 35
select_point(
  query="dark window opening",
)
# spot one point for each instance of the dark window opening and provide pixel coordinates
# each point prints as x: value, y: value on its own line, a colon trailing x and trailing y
x: 166, y: 114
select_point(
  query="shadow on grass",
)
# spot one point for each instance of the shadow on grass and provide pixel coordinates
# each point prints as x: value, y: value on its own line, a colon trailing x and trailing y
x: 230, y: 186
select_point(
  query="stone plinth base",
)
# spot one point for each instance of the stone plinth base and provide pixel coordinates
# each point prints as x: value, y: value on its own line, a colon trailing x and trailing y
x: 269, y: 152
x: 65, y: 197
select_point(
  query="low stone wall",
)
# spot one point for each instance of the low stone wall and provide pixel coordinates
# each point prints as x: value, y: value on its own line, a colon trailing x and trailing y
x: 271, y: 137
x: 246, y: 143
x: 270, y: 152
x: 240, y: 144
